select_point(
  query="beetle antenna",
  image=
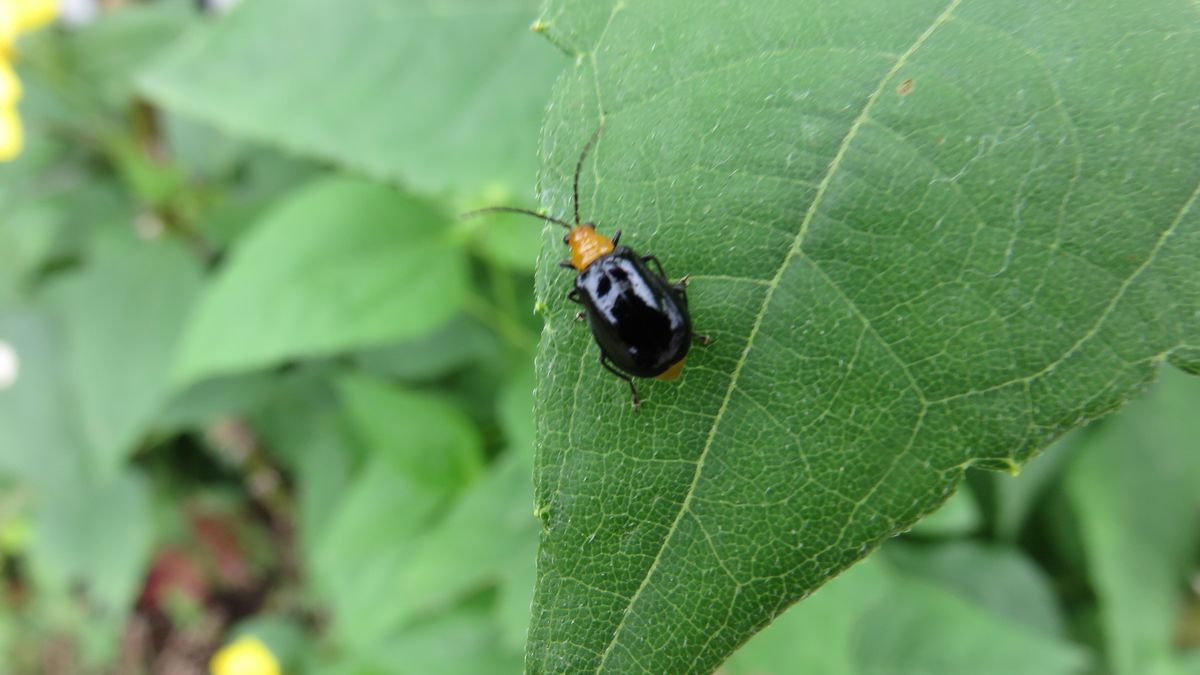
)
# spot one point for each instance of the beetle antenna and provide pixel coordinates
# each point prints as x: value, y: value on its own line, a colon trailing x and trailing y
x: 579, y: 166
x: 510, y: 209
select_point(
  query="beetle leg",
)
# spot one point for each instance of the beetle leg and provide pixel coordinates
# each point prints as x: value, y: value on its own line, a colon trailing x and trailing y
x: 573, y: 296
x: 654, y: 259
x: 636, y: 400
x: 566, y: 263
x: 702, y: 339
x: 681, y: 286
x: 616, y: 237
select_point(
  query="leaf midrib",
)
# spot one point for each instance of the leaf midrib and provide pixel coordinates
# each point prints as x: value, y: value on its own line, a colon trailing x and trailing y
x: 797, y: 242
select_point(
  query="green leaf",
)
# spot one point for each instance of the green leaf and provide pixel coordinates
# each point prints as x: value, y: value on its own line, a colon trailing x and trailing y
x: 48, y: 209
x: 509, y: 239
x: 958, y: 516
x: 925, y: 235
x: 463, y: 643
x: 323, y: 476
x: 487, y: 534
x: 204, y: 402
x: 122, y: 316
x: 366, y: 541
x: 42, y: 444
x: 302, y: 411
x: 1000, y: 580
x: 28, y: 232
x: 878, y: 618
x: 94, y: 536
x: 519, y: 574
x: 429, y: 440
x: 428, y: 558
x: 435, y: 95
x: 342, y: 264
x: 105, y: 55
x: 818, y: 636
x: 1012, y: 499
x: 254, y: 178
x: 920, y: 628
x: 459, y: 342
x: 1132, y: 489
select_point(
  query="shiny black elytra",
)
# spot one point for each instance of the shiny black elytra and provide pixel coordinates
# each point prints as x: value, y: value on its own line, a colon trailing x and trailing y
x: 640, y: 319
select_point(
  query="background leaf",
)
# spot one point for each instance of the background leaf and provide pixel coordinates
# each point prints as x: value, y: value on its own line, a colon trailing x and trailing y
x: 456, y: 344
x: 924, y: 235
x: 1002, y: 581
x: 95, y: 538
x: 306, y: 281
x: 958, y: 516
x: 109, y: 53
x: 1134, y: 504
x: 881, y: 617
x: 968, y: 640
x: 42, y: 441
x: 818, y: 635
x: 463, y: 643
x: 434, y: 95
x: 122, y: 317
x: 428, y: 439
x: 369, y: 538
x: 421, y: 453
x: 488, y: 537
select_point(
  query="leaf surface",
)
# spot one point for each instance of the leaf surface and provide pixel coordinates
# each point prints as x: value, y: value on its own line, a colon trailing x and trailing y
x: 882, y: 618
x: 428, y: 439
x: 435, y: 95
x: 95, y: 537
x: 366, y: 540
x: 487, y: 537
x: 122, y: 317
x: 343, y: 263
x: 897, y: 638
x: 924, y: 234
x: 1134, y: 497
x: 43, y: 444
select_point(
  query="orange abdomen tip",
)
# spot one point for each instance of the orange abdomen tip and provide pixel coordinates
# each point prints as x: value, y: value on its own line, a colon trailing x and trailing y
x: 673, y: 372
x: 587, y: 245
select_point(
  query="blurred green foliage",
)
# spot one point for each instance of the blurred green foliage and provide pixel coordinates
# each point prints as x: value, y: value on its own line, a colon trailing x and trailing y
x: 261, y: 381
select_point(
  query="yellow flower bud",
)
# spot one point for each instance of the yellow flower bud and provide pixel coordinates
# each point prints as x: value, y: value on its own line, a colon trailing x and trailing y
x: 33, y: 14
x: 12, y: 138
x: 10, y: 86
x: 246, y: 655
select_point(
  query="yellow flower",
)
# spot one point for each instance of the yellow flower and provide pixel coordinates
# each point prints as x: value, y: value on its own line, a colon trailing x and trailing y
x: 33, y: 14
x: 22, y: 16
x: 16, y: 17
x: 12, y: 137
x: 246, y: 655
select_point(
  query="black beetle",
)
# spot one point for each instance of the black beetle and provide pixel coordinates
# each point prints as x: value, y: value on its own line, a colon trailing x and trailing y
x: 638, y: 317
